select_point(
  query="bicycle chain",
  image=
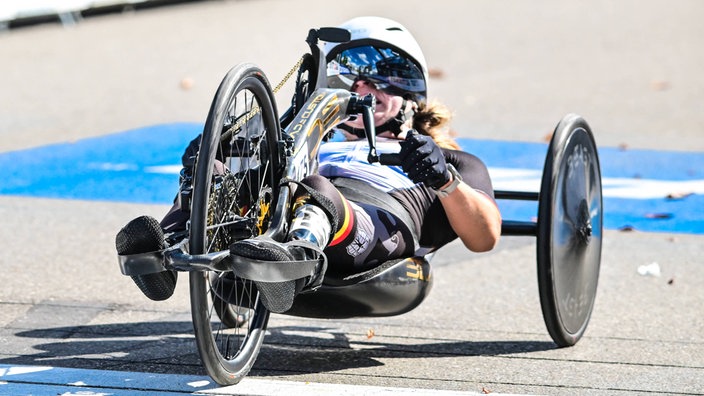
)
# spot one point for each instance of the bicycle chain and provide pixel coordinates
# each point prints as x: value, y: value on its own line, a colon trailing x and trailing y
x: 289, y: 74
x: 255, y: 110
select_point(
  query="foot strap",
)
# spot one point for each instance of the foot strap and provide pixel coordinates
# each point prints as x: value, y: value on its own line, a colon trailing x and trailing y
x: 142, y: 263
x: 282, y: 271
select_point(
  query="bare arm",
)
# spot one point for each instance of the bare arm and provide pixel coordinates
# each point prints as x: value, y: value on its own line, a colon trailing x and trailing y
x: 474, y: 217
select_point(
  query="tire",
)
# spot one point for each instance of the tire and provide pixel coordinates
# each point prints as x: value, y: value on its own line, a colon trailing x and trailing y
x: 570, y: 229
x: 230, y: 203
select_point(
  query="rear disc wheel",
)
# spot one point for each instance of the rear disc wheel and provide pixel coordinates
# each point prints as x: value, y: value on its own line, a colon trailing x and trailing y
x: 570, y: 229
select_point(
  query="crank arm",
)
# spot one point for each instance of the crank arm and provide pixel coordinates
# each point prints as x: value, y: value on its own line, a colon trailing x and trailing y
x: 172, y: 258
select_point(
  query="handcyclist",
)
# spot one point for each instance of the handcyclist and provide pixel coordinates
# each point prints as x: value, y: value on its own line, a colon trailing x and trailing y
x: 359, y: 214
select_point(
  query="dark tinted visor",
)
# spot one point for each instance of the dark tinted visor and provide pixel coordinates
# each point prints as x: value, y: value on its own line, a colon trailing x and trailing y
x: 390, y: 71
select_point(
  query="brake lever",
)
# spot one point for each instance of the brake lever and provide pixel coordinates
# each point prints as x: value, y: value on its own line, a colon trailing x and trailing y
x: 368, y: 119
x: 384, y: 158
x: 366, y: 106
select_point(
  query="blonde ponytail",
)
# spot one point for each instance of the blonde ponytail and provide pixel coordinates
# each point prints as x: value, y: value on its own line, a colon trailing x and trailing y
x: 433, y: 119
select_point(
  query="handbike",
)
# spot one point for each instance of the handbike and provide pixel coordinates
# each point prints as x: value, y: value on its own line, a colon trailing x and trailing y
x: 241, y: 187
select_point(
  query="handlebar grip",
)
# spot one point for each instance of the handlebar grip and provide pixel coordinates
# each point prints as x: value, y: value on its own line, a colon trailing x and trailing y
x: 389, y: 159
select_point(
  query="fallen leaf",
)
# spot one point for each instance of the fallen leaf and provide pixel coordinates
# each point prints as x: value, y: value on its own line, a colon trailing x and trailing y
x: 434, y: 72
x: 485, y: 391
x: 660, y: 85
x: 370, y: 333
x: 671, y: 281
x: 187, y: 83
x: 679, y: 195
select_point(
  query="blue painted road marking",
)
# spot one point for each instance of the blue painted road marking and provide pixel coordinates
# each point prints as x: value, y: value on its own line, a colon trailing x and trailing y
x: 118, y: 167
x: 142, y: 165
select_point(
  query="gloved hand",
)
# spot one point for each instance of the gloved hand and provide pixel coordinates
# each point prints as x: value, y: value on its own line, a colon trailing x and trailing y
x: 423, y: 160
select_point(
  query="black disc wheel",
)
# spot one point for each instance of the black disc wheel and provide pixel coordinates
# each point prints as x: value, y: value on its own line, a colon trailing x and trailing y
x: 569, y: 236
x: 234, y: 191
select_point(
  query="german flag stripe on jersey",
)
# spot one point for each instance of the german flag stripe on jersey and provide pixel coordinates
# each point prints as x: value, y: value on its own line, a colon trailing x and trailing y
x: 347, y: 224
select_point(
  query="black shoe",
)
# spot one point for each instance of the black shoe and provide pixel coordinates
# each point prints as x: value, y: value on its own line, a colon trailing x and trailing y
x: 277, y: 297
x: 143, y: 235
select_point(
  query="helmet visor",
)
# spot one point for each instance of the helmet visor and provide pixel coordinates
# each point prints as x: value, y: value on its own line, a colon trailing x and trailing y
x: 389, y: 70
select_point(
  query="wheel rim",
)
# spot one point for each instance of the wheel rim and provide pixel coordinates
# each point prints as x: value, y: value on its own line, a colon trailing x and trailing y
x: 576, y: 230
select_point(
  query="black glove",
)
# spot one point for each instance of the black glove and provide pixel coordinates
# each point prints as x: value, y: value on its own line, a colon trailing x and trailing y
x: 423, y: 161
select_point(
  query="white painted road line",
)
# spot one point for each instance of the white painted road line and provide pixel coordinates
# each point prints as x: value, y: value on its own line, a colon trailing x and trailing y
x: 252, y: 386
x: 34, y: 380
x: 613, y: 187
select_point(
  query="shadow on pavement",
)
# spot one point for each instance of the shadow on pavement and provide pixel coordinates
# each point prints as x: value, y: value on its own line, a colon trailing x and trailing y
x: 303, y: 350
x: 168, y: 347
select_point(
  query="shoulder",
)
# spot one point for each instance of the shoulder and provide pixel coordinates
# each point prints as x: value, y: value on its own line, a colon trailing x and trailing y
x: 473, y: 170
x: 462, y: 159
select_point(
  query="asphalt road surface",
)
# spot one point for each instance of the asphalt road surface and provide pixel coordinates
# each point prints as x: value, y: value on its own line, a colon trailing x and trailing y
x: 509, y: 69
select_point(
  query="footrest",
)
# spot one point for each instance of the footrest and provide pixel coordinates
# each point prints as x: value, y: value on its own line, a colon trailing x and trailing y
x: 271, y: 271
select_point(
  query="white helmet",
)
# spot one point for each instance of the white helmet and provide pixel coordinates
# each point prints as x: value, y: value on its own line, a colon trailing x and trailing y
x: 381, y: 51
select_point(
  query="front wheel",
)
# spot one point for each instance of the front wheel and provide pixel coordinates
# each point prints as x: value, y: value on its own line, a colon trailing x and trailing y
x: 234, y: 190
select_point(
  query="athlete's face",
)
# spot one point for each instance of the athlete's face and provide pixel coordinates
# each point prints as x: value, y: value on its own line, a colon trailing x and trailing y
x: 387, y: 106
